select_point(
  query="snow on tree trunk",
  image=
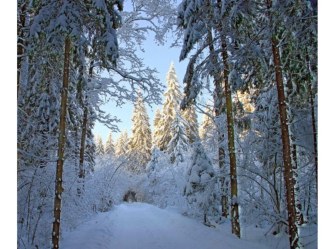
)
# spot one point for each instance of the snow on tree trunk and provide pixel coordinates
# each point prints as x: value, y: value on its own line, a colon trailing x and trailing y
x: 61, y: 147
x: 235, y: 217
x: 218, y: 110
x: 314, y: 130
x: 288, y: 169
x: 81, y: 173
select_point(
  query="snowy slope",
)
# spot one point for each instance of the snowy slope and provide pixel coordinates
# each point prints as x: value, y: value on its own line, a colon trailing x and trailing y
x: 143, y: 226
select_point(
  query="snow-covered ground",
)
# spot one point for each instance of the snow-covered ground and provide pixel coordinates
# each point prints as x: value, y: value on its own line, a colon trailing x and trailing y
x: 143, y: 226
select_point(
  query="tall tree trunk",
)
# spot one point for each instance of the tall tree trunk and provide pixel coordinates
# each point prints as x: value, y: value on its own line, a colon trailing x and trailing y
x: 20, y: 51
x: 217, y: 97
x: 289, y: 95
x: 20, y: 42
x: 61, y: 147
x: 235, y: 219
x: 314, y: 130
x: 287, y: 159
x: 299, y: 215
x: 81, y: 173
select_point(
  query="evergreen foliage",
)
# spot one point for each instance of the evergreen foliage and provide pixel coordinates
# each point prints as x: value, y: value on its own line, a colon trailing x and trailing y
x: 260, y: 56
x: 109, y: 146
x: 170, y: 108
x: 99, y: 146
x: 199, y: 189
x: 190, y: 116
x: 179, y: 142
x: 121, y: 145
x: 141, y: 140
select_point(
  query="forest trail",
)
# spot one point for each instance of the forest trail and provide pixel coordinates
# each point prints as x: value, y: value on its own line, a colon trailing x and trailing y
x: 143, y: 226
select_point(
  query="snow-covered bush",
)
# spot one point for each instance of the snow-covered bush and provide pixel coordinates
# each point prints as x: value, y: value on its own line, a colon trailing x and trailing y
x: 166, y: 180
x: 200, y: 187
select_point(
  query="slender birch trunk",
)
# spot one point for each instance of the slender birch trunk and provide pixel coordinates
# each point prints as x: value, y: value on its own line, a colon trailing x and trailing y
x: 61, y: 147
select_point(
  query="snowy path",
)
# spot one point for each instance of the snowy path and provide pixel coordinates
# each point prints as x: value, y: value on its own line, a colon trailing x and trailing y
x: 143, y: 226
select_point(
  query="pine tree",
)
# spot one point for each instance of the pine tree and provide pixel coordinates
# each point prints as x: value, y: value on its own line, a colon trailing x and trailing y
x: 170, y: 108
x: 109, y: 146
x: 99, y: 146
x: 141, y: 140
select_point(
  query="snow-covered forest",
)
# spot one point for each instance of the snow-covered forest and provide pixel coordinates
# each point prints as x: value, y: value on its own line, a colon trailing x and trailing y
x: 247, y: 175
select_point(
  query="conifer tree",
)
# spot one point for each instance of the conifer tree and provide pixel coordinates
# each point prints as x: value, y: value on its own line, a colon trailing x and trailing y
x: 141, y: 140
x: 190, y: 116
x: 208, y: 132
x: 109, y: 146
x: 200, y: 184
x: 170, y: 108
x: 207, y: 124
x: 121, y: 145
x: 179, y: 142
x: 156, y: 125
x: 99, y: 146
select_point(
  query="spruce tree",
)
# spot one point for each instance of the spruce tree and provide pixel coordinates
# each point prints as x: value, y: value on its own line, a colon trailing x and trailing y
x: 141, y: 140
x: 208, y: 133
x: 200, y: 184
x: 109, y: 146
x: 156, y: 124
x: 179, y: 142
x: 190, y: 116
x: 207, y: 124
x: 99, y: 146
x: 170, y: 108
x: 121, y: 144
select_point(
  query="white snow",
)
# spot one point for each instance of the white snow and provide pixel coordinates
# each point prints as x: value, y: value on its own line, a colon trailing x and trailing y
x: 143, y: 226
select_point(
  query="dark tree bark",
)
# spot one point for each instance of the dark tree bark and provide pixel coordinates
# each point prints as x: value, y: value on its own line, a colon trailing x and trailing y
x: 314, y: 130
x: 235, y: 218
x: 21, y: 22
x: 20, y: 41
x: 61, y: 147
x: 287, y: 159
x: 83, y: 138
x: 289, y: 180
x: 81, y: 173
